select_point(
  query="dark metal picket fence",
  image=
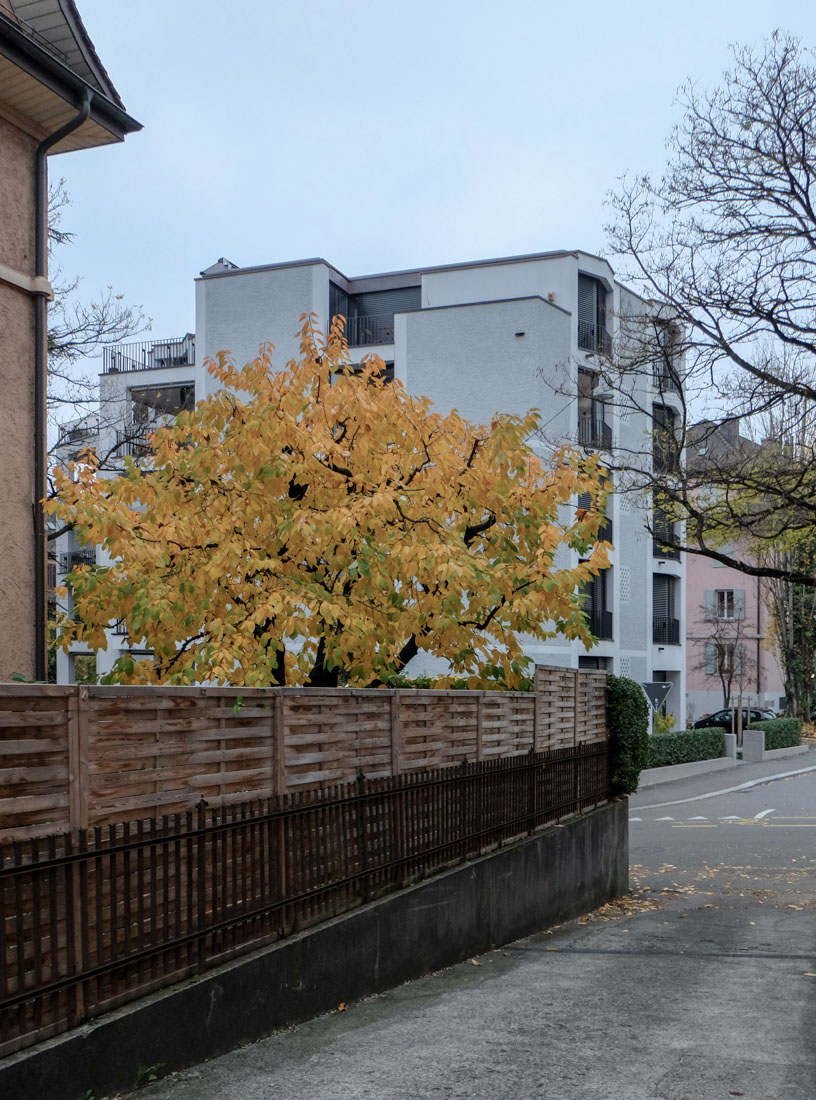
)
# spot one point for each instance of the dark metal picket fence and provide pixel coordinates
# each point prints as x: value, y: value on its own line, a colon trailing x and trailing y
x: 95, y: 918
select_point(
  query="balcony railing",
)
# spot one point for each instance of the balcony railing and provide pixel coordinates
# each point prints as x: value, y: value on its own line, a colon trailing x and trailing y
x: 362, y: 331
x: 664, y: 544
x: 86, y: 556
x: 178, y: 351
x: 77, y: 433
x: 594, y: 337
x: 665, y: 380
x: 599, y: 622
x: 666, y: 631
x: 134, y: 443
x: 594, y: 433
x: 119, y: 628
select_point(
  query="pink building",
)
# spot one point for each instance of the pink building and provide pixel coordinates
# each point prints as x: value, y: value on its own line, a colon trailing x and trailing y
x: 727, y: 635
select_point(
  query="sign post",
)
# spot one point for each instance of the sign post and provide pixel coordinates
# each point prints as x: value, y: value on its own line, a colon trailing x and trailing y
x: 656, y: 691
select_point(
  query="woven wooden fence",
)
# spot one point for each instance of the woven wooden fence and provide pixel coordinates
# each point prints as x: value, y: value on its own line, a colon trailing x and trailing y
x: 77, y: 757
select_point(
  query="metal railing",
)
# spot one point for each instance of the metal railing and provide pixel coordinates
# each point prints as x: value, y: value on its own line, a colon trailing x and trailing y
x: 133, y: 443
x: 178, y: 351
x: 664, y: 544
x: 594, y: 433
x: 665, y: 380
x: 86, y: 556
x: 594, y: 337
x: 122, y: 909
x: 666, y: 631
x: 35, y: 36
x: 362, y: 331
x: 77, y: 433
x: 605, y: 531
x: 600, y: 623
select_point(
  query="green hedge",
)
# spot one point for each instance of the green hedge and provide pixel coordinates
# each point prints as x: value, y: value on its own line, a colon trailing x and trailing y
x: 780, y: 733
x: 685, y: 746
x: 627, y: 716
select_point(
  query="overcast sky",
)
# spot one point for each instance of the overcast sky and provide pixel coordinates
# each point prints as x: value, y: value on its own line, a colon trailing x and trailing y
x: 379, y: 135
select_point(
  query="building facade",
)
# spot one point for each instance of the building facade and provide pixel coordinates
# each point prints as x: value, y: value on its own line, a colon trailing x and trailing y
x: 502, y: 335
x: 730, y: 648
x: 55, y: 97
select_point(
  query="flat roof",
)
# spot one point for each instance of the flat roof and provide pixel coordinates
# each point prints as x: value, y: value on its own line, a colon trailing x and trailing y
x: 405, y: 273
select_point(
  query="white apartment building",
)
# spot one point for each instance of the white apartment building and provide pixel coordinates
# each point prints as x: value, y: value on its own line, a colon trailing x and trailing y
x: 500, y: 335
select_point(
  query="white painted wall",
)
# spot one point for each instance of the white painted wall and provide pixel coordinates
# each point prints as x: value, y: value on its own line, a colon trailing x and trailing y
x: 237, y: 312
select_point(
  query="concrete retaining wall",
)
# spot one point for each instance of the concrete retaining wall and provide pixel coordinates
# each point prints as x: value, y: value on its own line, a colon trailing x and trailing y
x: 559, y: 873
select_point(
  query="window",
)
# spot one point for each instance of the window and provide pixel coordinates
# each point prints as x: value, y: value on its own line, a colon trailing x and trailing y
x: 724, y: 659
x: 370, y: 314
x: 151, y: 402
x: 593, y: 430
x: 592, y: 333
x: 724, y: 603
x: 664, y: 369
x: 594, y: 594
x: 665, y: 450
x: 665, y: 623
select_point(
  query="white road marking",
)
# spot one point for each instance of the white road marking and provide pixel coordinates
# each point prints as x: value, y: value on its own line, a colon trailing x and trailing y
x: 635, y: 818
x: 729, y: 790
x: 698, y: 819
x: 664, y: 819
x: 731, y: 817
x: 763, y: 813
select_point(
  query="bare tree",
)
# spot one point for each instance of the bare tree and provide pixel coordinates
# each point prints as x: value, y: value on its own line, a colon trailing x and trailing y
x: 78, y: 327
x: 722, y: 253
x: 793, y: 621
x: 724, y: 654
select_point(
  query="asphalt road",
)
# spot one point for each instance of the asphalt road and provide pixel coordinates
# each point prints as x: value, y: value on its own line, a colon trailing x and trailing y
x: 700, y: 985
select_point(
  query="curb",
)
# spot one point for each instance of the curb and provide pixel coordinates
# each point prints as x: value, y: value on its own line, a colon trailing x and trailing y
x: 729, y: 790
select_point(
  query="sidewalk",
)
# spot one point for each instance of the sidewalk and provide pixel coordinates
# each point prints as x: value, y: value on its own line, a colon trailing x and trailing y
x: 699, y: 985
x: 722, y: 779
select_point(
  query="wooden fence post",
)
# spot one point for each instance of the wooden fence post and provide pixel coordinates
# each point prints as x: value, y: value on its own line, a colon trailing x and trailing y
x: 396, y: 733
x: 280, y: 742
x: 479, y: 731
x: 78, y: 759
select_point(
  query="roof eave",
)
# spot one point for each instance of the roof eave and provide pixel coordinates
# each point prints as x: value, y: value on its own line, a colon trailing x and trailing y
x: 61, y: 80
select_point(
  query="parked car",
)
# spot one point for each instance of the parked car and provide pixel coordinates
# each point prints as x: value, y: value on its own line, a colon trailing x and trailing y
x: 724, y: 718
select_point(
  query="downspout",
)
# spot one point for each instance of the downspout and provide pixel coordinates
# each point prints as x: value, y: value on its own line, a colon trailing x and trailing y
x: 41, y: 380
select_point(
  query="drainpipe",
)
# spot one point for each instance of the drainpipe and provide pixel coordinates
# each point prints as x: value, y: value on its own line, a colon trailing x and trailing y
x: 41, y: 380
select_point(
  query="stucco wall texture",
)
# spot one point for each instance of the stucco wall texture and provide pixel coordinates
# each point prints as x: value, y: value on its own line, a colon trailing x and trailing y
x: 763, y: 676
x: 16, y: 405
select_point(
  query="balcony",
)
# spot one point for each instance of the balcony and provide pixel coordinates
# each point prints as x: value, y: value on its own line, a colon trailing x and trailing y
x: 78, y: 433
x: 365, y: 331
x: 85, y: 556
x: 666, y: 631
x: 664, y: 544
x: 134, y: 443
x: 594, y: 337
x: 594, y: 433
x: 599, y: 623
x: 665, y: 380
x: 149, y: 355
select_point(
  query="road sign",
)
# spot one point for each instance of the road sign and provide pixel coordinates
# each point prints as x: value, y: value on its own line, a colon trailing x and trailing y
x: 656, y: 692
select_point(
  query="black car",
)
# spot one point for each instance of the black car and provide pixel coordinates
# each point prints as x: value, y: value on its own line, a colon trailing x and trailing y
x: 724, y: 718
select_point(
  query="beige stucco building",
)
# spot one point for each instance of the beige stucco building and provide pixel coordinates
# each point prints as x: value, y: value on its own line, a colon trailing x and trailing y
x: 55, y: 97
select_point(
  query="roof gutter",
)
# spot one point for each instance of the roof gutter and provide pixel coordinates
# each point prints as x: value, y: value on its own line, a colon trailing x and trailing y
x: 54, y: 74
x: 41, y: 380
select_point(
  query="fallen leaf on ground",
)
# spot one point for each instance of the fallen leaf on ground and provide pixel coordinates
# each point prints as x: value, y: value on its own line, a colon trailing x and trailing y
x: 475, y: 962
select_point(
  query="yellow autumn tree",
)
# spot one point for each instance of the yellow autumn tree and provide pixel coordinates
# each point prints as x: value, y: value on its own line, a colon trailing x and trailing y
x: 318, y: 525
